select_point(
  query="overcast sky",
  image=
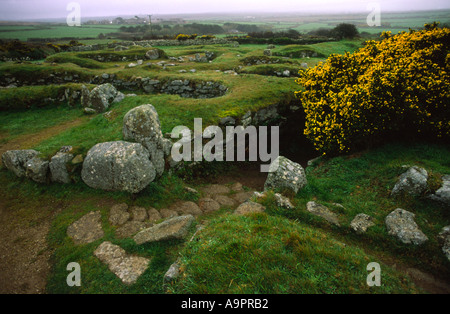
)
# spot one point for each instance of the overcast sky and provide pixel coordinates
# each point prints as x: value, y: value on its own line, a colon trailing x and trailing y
x: 38, y: 9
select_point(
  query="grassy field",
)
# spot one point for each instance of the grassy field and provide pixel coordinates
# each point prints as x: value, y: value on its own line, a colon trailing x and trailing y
x: 391, y: 21
x: 279, y: 251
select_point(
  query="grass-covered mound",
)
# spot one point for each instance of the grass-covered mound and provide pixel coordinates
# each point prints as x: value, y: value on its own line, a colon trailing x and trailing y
x: 266, y: 254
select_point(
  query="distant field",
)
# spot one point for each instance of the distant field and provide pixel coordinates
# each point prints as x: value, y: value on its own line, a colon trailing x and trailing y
x: 394, y: 22
x: 60, y: 31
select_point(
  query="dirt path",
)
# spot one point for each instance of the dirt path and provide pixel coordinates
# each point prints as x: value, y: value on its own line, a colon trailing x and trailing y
x: 29, y: 140
x: 24, y: 253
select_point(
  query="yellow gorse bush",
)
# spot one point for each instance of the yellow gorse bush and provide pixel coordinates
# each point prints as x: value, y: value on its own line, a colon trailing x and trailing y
x: 399, y: 85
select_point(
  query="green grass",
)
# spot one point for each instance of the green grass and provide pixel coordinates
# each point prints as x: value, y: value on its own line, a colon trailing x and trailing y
x: 14, y: 124
x: 362, y: 184
x: 56, y: 31
x: 266, y: 254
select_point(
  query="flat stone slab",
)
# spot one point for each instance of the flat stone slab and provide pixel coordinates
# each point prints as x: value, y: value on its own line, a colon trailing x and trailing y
x: 119, y: 214
x: 153, y: 215
x: 208, y: 205
x: 174, y: 228
x: 214, y: 189
x: 361, y: 223
x: 322, y: 211
x: 139, y: 213
x: 224, y: 200
x: 127, y: 267
x: 87, y: 229
x: 242, y: 197
x: 400, y: 223
x: 130, y: 228
x: 187, y: 208
x: 249, y: 208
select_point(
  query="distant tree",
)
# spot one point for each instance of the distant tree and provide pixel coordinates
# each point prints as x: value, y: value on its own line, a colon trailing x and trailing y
x: 101, y: 36
x: 345, y: 30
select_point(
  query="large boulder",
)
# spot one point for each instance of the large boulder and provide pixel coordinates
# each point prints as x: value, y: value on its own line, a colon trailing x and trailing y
x: 118, y: 166
x: 285, y: 175
x: 141, y: 125
x: 400, y: 223
x: 412, y: 182
x: 58, y: 167
x: 100, y: 98
x: 153, y: 54
x: 16, y: 160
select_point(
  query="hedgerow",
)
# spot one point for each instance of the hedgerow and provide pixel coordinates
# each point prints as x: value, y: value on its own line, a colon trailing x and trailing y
x: 398, y: 86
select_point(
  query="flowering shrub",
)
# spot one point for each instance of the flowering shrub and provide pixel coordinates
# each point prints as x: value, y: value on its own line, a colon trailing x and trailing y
x: 399, y: 85
x: 185, y: 37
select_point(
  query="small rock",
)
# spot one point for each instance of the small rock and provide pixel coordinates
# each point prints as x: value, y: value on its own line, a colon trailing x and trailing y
x: 87, y: 110
x: 138, y: 213
x: 87, y: 229
x: 361, y: 223
x: 78, y: 159
x: 187, y: 208
x: 168, y: 213
x: 242, y: 197
x: 322, y: 211
x: 224, y: 200
x: 130, y: 228
x: 173, y: 272
x: 190, y: 190
x: 119, y: 215
x: 249, y: 208
x: 214, y: 189
x: 237, y: 187
x: 153, y: 215
x: 208, y: 205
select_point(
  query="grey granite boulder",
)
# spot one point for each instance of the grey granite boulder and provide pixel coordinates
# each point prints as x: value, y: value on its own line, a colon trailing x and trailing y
x: 152, y: 54
x: 37, y: 169
x: 118, y: 166
x: 16, y: 160
x: 100, y: 98
x: 412, y: 182
x: 141, y: 125
x: 58, y: 168
x: 400, y: 223
x: 285, y: 175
